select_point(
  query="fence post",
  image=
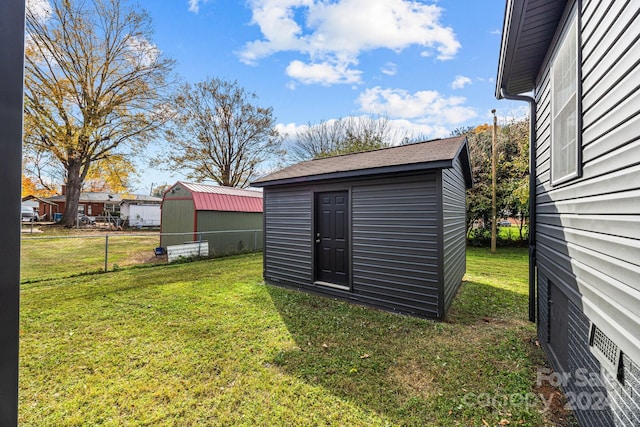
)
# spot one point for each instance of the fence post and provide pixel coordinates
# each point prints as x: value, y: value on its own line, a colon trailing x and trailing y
x: 106, y: 253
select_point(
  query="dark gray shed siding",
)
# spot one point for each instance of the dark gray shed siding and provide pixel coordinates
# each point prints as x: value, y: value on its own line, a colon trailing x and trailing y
x: 404, y: 205
x: 397, y: 261
x: 454, y: 226
x: 287, y: 228
x: 395, y: 254
x: 588, y: 232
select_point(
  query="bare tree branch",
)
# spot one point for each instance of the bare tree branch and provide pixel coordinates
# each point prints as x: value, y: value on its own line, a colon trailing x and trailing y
x: 344, y: 135
x: 219, y: 133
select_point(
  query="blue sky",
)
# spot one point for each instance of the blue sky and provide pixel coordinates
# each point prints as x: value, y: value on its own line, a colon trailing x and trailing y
x: 428, y: 66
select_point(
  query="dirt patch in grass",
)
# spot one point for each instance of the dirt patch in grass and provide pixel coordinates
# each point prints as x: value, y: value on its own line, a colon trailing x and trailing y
x: 556, y: 411
x: 146, y: 257
x: 556, y: 406
x: 413, y: 378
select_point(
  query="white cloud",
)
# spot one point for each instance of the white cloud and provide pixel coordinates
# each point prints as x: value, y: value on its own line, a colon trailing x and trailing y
x: 141, y: 52
x: 421, y: 115
x: 390, y: 69
x: 515, y: 112
x: 426, y: 107
x: 419, y: 130
x: 194, y: 5
x: 325, y: 73
x: 460, y: 82
x: 400, y: 130
x: 41, y: 9
x: 289, y: 130
x: 338, y: 31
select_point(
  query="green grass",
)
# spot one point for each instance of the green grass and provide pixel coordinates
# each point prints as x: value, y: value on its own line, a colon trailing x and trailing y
x: 512, y: 233
x: 207, y: 343
x: 56, y: 254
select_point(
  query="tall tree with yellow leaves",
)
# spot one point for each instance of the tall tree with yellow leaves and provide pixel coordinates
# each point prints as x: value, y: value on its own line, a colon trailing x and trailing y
x: 95, y: 85
x: 512, y: 175
x: 110, y: 175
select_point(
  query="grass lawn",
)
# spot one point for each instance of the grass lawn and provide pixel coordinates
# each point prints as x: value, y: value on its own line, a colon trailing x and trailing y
x: 207, y: 343
x: 56, y: 254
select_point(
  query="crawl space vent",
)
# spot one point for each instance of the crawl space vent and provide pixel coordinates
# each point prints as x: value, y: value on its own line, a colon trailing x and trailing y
x: 606, y: 351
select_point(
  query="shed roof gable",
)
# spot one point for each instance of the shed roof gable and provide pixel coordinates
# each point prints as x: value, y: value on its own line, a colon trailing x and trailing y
x: 434, y: 154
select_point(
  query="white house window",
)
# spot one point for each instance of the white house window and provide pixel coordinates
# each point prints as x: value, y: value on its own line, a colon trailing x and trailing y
x: 112, y: 207
x: 565, y: 132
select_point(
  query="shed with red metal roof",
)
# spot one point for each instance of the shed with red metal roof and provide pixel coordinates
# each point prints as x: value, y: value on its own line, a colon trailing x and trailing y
x: 230, y: 219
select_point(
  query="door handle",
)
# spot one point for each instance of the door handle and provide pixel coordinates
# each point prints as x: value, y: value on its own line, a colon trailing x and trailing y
x: 317, y: 237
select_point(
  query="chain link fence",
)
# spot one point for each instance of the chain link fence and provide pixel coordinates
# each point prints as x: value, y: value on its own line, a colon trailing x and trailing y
x: 65, y: 255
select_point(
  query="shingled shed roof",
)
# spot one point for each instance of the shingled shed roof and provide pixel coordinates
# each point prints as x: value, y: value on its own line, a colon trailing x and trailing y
x: 435, y: 154
x: 217, y: 198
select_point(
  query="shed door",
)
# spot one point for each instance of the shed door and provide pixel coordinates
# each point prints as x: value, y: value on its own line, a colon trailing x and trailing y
x: 332, y: 237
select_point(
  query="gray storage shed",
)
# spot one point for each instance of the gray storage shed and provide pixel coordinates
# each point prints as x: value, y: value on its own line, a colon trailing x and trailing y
x: 229, y: 219
x: 580, y: 60
x: 384, y: 228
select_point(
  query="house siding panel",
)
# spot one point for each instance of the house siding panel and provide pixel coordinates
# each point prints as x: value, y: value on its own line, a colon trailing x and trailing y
x: 588, y: 238
x: 408, y: 233
x: 543, y: 308
x: 454, y: 230
x: 288, y: 228
x: 600, y: 34
x: 582, y: 361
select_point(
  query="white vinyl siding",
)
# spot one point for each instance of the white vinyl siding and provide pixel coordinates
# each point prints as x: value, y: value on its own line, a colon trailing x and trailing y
x: 588, y: 239
x: 565, y: 159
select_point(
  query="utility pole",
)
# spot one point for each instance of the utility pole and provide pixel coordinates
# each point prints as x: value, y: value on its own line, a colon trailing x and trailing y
x: 494, y: 182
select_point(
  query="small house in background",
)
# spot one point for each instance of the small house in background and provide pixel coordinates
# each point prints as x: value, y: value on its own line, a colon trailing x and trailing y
x: 229, y: 219
x: 43, y: 208
x: 579, y: 63
x: 102, y: 204
x: 90, y: 203
x: 140, y: 211
x: 384, y: 228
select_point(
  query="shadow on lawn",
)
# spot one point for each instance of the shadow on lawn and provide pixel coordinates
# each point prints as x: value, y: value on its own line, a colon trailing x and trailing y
x: 408, y: 369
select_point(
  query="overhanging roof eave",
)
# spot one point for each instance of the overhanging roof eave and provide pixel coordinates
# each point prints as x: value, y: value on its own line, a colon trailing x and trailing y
x: 413, y: 167
x: 525, y: 43
x: 510, y: 34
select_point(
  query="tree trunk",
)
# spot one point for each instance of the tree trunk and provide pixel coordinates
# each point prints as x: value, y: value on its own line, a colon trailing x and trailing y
x: 226, y: 175
x: 522, y: 224
x: 72, y: 197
